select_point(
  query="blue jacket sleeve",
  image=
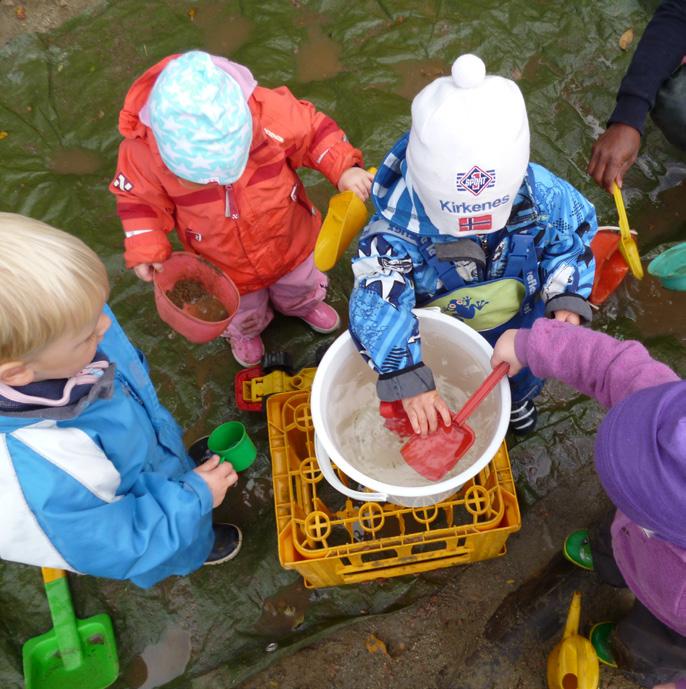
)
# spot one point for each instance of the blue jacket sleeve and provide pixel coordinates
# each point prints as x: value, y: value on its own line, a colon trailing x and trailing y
x: 381, y: 320
x: 382, y: 324
x: 155, y: 528
x: 566, y: 260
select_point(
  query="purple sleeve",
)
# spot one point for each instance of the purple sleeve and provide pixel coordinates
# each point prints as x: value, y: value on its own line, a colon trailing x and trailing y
x: 591, y: 362
x: 681, y: 683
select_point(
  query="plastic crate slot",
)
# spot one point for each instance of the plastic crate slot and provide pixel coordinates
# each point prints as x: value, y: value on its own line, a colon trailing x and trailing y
x: 302, y: 418
x: 425, y: 515
x: 309, y: 470
x: 371, y: 517
x: 431, y: 547
x: 477, y: 500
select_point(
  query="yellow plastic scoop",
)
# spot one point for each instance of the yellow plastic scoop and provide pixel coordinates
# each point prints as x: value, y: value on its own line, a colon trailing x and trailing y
x: 345, y: 217
x: 627, y: 245
x: 573, y: 663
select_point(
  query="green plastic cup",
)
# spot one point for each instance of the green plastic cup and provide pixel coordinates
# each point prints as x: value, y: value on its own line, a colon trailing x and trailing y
x: 233, y: 444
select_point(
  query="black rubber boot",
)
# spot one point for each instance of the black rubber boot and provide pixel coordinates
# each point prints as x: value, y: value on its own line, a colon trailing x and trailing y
x: 523, y: 417
x: 227, y: 543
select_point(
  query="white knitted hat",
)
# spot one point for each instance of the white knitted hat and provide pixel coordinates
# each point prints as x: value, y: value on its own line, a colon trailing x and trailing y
x: 468, y: 148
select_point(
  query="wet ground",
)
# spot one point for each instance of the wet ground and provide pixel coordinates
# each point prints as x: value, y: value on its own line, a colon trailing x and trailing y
x: 250, y: 623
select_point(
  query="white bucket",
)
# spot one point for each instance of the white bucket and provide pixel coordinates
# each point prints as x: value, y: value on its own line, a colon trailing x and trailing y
x: 451, y: 341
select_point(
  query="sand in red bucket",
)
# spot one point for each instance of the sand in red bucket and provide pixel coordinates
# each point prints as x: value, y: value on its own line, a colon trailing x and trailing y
x: 182, y: 266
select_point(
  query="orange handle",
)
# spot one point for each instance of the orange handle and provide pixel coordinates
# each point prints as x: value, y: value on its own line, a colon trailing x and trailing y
x: 493, y: 378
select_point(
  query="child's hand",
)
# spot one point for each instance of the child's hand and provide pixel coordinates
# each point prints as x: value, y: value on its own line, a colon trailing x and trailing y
x: 504, y: 350
x: 145, y: 271
x: 567, y: 317
x: 358, y: 180
x: 424, y: 409
x: 218, y: 477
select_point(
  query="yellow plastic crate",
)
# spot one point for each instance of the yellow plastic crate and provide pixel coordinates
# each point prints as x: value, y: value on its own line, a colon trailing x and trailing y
x: 332, y: 540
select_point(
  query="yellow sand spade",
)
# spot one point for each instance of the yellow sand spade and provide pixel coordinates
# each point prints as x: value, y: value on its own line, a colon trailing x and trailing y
x: 573, y: 663
x: 627, y: 245
x: 346, y: 216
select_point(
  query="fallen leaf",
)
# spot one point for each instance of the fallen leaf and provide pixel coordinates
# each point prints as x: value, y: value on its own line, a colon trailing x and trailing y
x: 20, y: 12
x: 3, y: 135
x: 626, y: 39
x: 375, y: 645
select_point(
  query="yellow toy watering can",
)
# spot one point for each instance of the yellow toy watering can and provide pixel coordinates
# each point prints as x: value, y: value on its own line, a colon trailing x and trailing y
x: 346, y: 216
x: 573, y: 663
x: 627, y: 245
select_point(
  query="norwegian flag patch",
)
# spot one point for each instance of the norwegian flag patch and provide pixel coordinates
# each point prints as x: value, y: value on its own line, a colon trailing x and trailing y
x: 476, y: 180
x: 477, y: 223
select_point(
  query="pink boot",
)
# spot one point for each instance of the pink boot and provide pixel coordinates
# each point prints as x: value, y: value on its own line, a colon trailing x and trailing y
x: 322, y: 318
x: 247, y: 351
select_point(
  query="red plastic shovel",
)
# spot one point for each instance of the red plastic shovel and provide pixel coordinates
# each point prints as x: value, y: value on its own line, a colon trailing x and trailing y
x: 435, y: 454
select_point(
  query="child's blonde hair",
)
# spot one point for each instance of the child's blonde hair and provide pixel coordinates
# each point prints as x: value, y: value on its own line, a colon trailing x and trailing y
x: 51, y: 285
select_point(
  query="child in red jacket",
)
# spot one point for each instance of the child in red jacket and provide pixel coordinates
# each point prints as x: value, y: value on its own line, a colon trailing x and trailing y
x: 209, y: 152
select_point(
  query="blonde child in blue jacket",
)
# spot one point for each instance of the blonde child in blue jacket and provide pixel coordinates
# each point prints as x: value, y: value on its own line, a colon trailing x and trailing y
x: 94, y: 477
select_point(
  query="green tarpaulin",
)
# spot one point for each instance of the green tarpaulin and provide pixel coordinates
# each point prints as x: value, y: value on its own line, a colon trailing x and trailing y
x: 361, y: 62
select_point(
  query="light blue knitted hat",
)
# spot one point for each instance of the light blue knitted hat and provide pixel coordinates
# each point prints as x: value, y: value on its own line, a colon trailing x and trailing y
x: 201, y: 121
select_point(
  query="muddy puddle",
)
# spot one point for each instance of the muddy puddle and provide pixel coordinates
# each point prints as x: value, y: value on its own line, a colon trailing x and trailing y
x: 160, y: 662
x: 284, y: 612
x: 416, y: 74
x: 76, y: 161
x: 318, y: 56
x: 224, y: 29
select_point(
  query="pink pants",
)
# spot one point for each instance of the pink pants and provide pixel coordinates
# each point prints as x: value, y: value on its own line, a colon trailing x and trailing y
x: 295, y: 294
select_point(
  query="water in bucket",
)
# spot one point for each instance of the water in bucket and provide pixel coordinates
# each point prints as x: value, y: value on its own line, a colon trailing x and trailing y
x: 374, y: 450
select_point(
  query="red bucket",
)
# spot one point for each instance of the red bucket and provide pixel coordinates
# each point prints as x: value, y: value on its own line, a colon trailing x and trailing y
x: 182, y: 265
x: 610, y: 266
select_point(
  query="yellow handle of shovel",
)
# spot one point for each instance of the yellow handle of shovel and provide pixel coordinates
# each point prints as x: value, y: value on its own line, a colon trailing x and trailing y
x: 346, y: 216
x: 627, y: 245
x: 52, y: 574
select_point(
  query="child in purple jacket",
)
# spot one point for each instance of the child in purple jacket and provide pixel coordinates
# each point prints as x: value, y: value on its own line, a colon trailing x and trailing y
x: 640, y: 457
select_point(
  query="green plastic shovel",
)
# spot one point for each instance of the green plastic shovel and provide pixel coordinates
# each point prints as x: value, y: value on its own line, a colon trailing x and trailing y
x: 78, y: 654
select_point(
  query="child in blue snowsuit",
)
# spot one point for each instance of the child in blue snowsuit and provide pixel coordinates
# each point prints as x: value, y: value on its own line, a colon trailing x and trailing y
x: 465, y: 223
x: 94, y: 477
